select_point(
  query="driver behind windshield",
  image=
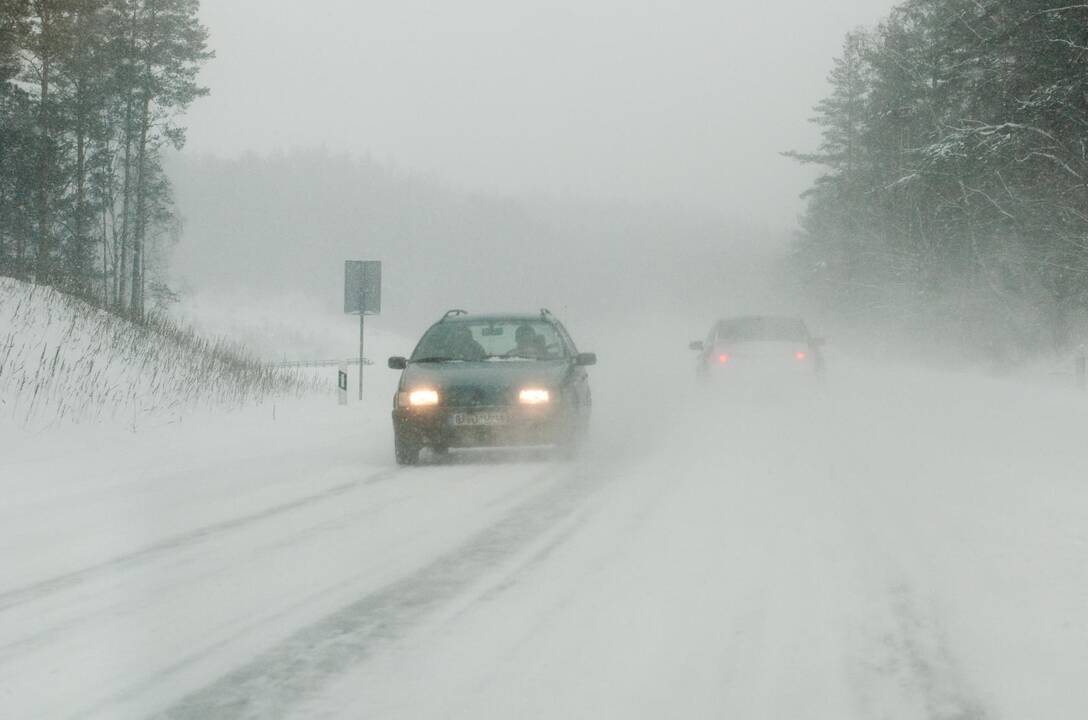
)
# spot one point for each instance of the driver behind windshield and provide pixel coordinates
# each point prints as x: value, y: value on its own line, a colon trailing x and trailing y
x: 464, y: 346
x: 453, y: 342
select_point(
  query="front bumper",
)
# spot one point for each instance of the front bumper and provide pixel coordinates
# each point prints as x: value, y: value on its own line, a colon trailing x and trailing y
x: 525, y: 426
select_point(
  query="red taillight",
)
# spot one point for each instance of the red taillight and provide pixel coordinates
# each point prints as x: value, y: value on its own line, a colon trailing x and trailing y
x: 724, y: 358
x: 800, y: 354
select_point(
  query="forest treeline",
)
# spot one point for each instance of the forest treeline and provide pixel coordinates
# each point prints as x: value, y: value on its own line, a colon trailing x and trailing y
x: 91, y: 92
x: 285, y: 222
x: 955, y: 185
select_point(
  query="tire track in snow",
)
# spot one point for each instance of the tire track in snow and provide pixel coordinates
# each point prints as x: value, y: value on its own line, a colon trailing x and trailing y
x: 926, y: 661
x: 907, y: 668
x: 274, y: 682
x: 11, y: 652
x: 43, y: 588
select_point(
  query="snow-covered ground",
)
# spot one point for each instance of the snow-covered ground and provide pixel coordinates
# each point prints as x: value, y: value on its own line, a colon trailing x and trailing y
x: 904, y: 544
x: 64, y: 362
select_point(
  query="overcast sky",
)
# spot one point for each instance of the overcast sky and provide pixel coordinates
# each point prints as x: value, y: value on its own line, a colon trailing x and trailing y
x: 659, y: 100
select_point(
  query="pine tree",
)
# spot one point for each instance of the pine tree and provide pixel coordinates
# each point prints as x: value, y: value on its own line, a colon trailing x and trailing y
x: 84, y: 65
x: 962, y: 191
x: 43, y: 46
x: 90, y: 94
x: 14, y: 139
x: 161, y: 48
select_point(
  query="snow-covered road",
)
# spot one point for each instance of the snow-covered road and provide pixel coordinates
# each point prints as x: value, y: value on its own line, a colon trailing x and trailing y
x: 907, y: 544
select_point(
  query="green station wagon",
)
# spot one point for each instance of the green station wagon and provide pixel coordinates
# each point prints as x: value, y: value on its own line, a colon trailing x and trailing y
x: 494, y: 380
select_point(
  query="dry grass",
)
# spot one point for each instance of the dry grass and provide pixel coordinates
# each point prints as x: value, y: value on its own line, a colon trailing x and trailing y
x: 64, y: 361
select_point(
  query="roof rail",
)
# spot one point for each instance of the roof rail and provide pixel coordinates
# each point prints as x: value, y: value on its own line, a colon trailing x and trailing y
x: 453, y: 313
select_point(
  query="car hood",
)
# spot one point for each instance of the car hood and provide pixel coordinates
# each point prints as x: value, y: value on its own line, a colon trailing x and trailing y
x: 495, y: 374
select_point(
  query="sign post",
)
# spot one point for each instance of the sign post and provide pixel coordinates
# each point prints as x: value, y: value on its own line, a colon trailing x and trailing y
x: 362, y: 328
x: 342, y: 383
x: 1080, y: 367
x: 362, y: 297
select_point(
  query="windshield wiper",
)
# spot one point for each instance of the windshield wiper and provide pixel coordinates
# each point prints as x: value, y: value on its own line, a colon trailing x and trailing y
x: 436, y: 359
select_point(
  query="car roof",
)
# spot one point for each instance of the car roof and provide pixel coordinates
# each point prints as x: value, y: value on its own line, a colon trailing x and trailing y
x: 737, y: 318
x: 500, y: 317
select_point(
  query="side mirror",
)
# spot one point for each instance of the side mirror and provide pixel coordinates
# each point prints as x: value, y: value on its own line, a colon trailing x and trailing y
x: 696, y: 345
x: 398, y: 363
x: 819, y: 342
x: 585, y: 359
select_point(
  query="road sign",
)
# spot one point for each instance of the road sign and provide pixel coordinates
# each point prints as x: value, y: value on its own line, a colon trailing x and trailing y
x: 363, y: 287
x: 362, y: 297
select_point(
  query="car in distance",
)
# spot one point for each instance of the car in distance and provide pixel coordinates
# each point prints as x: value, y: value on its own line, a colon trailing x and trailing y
x: 759, y: 347
x: 491, y: 381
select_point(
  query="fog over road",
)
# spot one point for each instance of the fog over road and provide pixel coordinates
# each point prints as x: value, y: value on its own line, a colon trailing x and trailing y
x: 899, y: 544
x: 192, y: 528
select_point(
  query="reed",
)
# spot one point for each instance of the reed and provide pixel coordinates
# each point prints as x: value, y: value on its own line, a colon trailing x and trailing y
x: 65, y: 361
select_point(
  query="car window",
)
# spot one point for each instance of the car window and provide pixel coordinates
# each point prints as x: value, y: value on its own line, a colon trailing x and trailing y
x: 762, y: 328
x: 566, y: 339
x: 491, y: 340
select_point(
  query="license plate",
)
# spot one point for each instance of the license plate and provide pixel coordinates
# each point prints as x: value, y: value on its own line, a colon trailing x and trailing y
x: 480, y: 419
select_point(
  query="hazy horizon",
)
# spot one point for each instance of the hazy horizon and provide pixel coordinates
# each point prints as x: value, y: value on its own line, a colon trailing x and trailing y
x: 677, y: 107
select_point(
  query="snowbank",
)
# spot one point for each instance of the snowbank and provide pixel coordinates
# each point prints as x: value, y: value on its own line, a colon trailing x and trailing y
x: 64, y: 361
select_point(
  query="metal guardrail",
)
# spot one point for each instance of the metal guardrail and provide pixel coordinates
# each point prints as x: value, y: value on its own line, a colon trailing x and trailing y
x: 318, y: 363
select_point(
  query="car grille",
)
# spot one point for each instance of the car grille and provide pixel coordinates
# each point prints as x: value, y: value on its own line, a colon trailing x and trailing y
x: 472, y: 396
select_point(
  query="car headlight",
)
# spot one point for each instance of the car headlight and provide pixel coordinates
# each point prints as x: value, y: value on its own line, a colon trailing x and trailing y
x: 534, y: 396
x: 422, y: 398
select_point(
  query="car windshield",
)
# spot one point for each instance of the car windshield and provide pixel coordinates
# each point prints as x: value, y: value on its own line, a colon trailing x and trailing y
x: 762, y: 328
x: 494, y: 340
